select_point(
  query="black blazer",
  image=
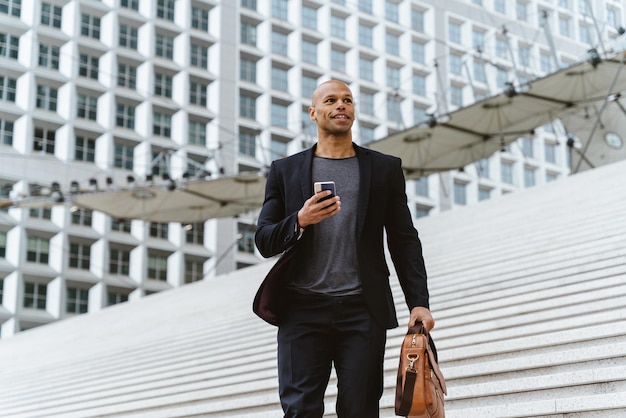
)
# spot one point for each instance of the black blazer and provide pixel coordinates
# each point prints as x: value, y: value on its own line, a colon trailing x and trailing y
x: 382, y: 207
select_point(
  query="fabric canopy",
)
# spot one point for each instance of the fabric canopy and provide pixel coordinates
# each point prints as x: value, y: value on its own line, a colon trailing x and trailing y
x: 469, y: 134
x: 195, y: 201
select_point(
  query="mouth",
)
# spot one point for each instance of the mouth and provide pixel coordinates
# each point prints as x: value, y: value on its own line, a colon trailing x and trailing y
x: 344, y: 117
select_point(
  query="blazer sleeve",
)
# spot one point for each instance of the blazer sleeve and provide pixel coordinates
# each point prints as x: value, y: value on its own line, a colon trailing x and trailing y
x: 404, y: 243
x: 276, y: 230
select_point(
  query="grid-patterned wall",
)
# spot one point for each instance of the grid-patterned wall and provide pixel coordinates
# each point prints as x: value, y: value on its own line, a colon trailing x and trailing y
x: 119, y: 88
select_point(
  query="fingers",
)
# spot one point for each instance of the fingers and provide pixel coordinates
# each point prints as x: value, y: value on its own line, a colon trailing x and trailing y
x: 313, y: 211
x: 423, y: 315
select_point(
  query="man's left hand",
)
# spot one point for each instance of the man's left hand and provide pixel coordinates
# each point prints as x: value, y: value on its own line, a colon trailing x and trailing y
x: 421, y: 314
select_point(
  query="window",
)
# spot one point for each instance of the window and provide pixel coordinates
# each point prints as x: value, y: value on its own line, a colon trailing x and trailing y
x: 120, y: 225
x: 88, y: 66
x: 47, y: 97
x: 419, y: 84
x: 421, y: 187
x: 164, y: 46
x: 480, y: 74
x: 35, y: 295
x: 159, y: 230
x: 247, y: 107
x: 249, y: 4
x: 366, y: 69
x: 521, y: 11
x: 545, y: 62
x: 126, y: 75
x: 309, y: 52
x: 87, y: 107
x: 51, y: 15
x: 115, y: 296
x: 130, y: 4
x: 193, y: 270
x: 200, y: 19
x: 119, y: 261
x: 195, y: 234
x: 40, y: 213
x: 527, y: 148
x: 564, y: 25
x: 500, y: 6
x: 478, y: 40
x: 125, y: 115
x: 3, y: 252
x: 247, y: 70
x: 367, y: 103
x: 366, y: 35
x: 421, y: 211
x: 161, y: 124
x: 6, y: 132
x: 550, y: 152
x: 529, y: 176
x: 456, y: 64
x: 454, y: 32
x: 157, y: 267
x: 246, y: 242
x: 278, y: 149
x: 196, y: 133
x: 123, y: 157
x: 9, y: 45
x: 338, y: 60
x: 38, y: 250
x: 392, y: 12
x: 248, y: 33
x: 394, y: 113
x: 90, y: 26
x: 365, y: 6
x: 309, y: 84
x: 613, y: 17
x: 199, y: 56
x: 280, y: 115
x: 79, y: 256
x: 551, y: 177
x: 11, y: 7
x: 482, y: 168
x: 82, y: 217
x: 280, y: 9
x: 392, y: 44
x: 7, y: 88
x: 502, y: 77
x: 165, y: 9
x: 197, y: 93
x: 77, y: 300
x: 280, y: 79
x: 49, y: 56
x: 163, y: 85
x: 309, y: 17
x: 128, y: 36
x: 419, y: 114
x: 338, y: 26
x: 418, y: 52
x: 460, y: 193
x: 456, y: 96
x: 564, y: 4
x: 366, y: 134
x: 417, y: 20
x: 484, y: 193
x: 393, y: 77
x: 279, y: 43
x: 506, y: 172
x: 502, y: 48
x: 44, y: 139
x: 584, y: 33
x: 247, y: 144
x: 523, y: 55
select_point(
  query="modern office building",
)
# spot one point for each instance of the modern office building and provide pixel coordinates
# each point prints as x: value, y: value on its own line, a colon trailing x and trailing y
x: 102, y: 93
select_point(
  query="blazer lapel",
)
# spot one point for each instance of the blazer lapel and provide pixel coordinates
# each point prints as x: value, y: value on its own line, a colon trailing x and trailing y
x: 306, y: 173
x: 365, y: 179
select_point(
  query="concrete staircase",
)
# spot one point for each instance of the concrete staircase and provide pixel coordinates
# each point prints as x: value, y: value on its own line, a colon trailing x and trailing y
x: 529, y: 294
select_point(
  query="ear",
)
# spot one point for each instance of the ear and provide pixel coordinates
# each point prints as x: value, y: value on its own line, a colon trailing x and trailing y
x: 312, y: 113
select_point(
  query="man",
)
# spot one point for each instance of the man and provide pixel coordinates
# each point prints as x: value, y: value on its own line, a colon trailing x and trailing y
x: 337, y: 302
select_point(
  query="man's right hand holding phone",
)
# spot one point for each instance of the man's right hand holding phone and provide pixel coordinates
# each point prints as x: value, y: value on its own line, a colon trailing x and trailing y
x: 315, y: 209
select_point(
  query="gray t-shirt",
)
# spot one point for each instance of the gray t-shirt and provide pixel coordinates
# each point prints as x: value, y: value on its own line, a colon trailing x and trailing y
x: 331, y: 268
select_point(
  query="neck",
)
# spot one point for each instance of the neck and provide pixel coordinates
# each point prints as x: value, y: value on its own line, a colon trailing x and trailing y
x: 335, y: 149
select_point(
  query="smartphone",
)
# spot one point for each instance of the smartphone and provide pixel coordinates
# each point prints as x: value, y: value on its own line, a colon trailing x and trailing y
x: 318, y: 186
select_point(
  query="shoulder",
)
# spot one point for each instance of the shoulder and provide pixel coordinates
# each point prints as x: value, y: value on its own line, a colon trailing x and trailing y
x: 378, y: 157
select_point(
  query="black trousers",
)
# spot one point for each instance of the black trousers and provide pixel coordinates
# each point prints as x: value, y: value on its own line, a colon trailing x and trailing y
x: 316, y: 332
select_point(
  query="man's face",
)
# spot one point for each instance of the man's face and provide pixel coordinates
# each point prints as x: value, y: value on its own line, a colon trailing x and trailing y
x: 333, y: 108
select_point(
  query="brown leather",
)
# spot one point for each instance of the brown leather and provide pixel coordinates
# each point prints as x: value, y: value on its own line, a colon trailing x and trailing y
x: 420, y: 386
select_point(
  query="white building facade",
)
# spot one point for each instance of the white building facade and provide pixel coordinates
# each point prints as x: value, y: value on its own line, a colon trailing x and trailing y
x: 97, y: 93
